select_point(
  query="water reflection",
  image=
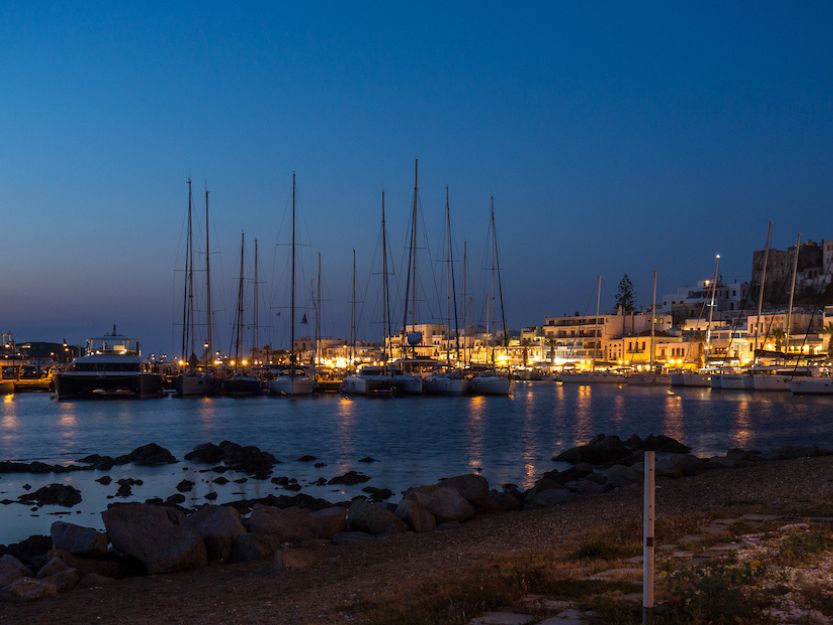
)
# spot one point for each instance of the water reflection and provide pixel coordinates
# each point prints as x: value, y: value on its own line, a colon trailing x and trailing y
x: 618, y: 408
x: 673, y: 421
x: 474, y: 431
x: 742, y: 436
x: 208, y: 413
x: 584, y: 417
x: 345, y: 423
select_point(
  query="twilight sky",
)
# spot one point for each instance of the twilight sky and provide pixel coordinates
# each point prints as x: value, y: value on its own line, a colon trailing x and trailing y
x: 615, y: 138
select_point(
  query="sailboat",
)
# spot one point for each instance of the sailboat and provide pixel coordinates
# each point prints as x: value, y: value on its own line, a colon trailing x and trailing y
x: 452, y: 381
x: 491, y: 382
x: 403, y: 379
x: 194, y: 382
x: 650, y: 377
x: 594, y: 376
x: 702, y: 378
x: 241, y: 383
x: 295, y: 381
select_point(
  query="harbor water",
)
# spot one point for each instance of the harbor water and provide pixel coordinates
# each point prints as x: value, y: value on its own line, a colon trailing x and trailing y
x: 413, y: 440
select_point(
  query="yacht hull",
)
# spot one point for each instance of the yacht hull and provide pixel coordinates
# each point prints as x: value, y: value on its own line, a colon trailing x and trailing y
x: 89, y: 385
x: 290, y: 387
x: 242, y: 386
x: 592, y: 378
x: 772, y: 382
x: 812, y: 386
x: 406, y: 384
x: 491, y: 385
x: 195, y: 385
x: 733, y: 382
x: 648, y: 379
x: 445, y: 385
x: 6, y: 387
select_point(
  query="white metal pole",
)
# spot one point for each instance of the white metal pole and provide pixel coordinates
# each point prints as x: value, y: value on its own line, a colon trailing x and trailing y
x: 648, y: 539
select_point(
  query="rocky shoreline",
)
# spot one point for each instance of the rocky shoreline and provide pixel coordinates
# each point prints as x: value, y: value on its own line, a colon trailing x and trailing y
x: 160, y: 536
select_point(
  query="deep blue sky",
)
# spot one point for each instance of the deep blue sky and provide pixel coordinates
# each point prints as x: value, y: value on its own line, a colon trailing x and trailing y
x: 616, y: 137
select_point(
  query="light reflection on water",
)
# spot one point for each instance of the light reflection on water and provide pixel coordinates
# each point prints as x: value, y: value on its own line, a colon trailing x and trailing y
x: 415, y: 440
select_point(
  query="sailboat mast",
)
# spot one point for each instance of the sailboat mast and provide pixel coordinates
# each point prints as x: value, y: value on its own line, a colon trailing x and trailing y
x: 292, y: 296
x: 761, y: 291
x: 414, y: 241
x: 448, y: 286
x: 385, y: 292
x: 792, y: 294
x: 596, y: 328
x: 653, y: 318
x: 711, y: 303
x: 317, y: 355
x: 451, y: 279
x: 255, y: 307
x: 240, y: 295
x: 353, y: 331
x: 209, y: 350
x: 410, y: 278
x: 185, y: 323
x: 190, y: 275
x: 465, y: 295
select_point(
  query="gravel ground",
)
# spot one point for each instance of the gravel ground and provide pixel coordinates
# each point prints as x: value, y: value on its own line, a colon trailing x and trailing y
x: 336, y: 588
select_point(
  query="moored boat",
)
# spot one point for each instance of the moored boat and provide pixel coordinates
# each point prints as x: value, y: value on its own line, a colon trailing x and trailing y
x: 453, y: 383
x: 112, y: 367
x: 812, y: 386
x: 491, y: 384
x: 592, y: 377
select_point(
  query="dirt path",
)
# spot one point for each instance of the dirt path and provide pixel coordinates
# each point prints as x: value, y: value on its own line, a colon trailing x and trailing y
x: 348, y: 580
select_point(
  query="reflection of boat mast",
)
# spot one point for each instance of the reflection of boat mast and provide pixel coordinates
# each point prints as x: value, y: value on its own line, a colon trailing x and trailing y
x: 792, y: 294
x: 711, y: 305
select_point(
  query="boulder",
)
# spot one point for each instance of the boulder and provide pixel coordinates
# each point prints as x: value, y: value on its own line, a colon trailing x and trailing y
x: 277, y: 526
x: 367, y: 459
x: 548, y: 498
x: 31, y: 551
x: 619, y: 475
x: 501, y: 501
x: 248, y: 459
x: 11, y: 569
x: 588, y: 487
x: 27, y: 589
x: 185, y: 486
x: 351, y: 538
x: 248, y: 548
x: 55, y: 565
x: 86, y: 566
x: 218, y: 526
x: 175, y: 499
x: 63, y: 580
x: 78, y: 540
x: 663, y: 444
x: 150, y: 455
x: 349, y: 478
x: 207, y: 453
x: 94, y: 580
x: 330, y: 521
x: 444, y: 502
x: 791, y: 452
x: 600, y: 450
x: 416, y: 515
x: 158, y: 536
x: 473, y: 488
x: 104, y: 480
x: 378, y: 494
x: 364, y: 516
x: 54, y: 495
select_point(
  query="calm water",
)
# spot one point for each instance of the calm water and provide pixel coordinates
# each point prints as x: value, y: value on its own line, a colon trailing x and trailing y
x: 415, y: 440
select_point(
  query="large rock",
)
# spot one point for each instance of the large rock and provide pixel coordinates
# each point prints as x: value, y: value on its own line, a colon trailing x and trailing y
x: 349, y: 478
x: 27, y: 589
x: 373, y: 518
x: 106, y: 567
x: 619, y: 475
x: 416, y: 515
x: 278, y: 526
x: 11, y: 569
x: 600, y: 450
x: 248, y: 458
x: 151, y: 455
x: 248, y: 548
x: 159, y: 536
x: 502, y: 502
x: 663, y: 444
x: 54, y: 495
x: 548, y: 498
x: 218, y: 526
x: 473, y: 488
x: 63, y: 580
x: 55, y: 565
x: 78, y: 540
x: 94, y: 580
x: 330, y: 521
x: 445, y: 503
x: 792, y: 452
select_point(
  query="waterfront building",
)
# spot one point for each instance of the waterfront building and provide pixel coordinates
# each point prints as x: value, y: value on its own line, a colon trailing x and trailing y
x: 693, y: 302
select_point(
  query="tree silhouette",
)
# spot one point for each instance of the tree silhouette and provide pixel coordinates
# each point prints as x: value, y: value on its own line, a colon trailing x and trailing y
x: 624, y: 295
